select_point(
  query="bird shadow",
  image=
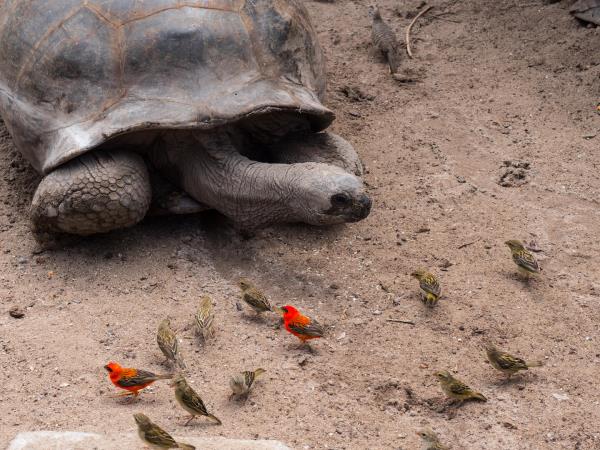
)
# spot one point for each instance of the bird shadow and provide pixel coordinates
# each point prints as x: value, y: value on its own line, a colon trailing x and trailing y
x: 530, y: 283
x: 514, y: 380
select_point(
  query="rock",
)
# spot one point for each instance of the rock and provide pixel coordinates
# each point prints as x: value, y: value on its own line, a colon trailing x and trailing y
x: 16, y: 312
x: 560, y: 397
x: 355, y: 93
x: 514, y: 173
x: 60, y: 440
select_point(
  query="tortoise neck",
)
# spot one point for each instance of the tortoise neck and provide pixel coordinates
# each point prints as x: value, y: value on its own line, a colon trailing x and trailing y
x: 209, y: 168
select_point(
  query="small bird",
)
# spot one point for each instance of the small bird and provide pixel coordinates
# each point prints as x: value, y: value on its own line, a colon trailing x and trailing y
x: 132, y: 380
x: 384, y: 40
x: 431, y: 441
x: 190, y: 400
x: 430, y: 287
x: 253, y: 297
x: 523, y: 258
x: 241, y: 382
x: 168, y: 344
x: 507, y: 363
x: 204, y: 317
x: 155, y: 436
x: 304, y: 328
x: 456, y: 389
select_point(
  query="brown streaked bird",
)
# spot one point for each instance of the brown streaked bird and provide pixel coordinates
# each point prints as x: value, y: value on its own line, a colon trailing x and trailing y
x: 456, y: 389
x: 431, y: 441
x: 190, y: 400
x: 168, y: 344
x: 507, y: 363
x: 430, y: 287
x: 253, y: 297
x: 384, y: 39
x: 241, y: 382
x: 155, y: 436
x: 523, y: 258
x: 205, y: 317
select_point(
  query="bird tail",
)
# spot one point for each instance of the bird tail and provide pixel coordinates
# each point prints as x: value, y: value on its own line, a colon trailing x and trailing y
x: 535, y: 363
x: 180, y: 362
x: 479, y: 396
x: 215, y: 419
x: 185, y: 446
x: 166, y: 376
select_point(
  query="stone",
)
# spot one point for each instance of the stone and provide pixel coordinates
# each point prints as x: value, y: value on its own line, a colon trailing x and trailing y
x: 75, y: 440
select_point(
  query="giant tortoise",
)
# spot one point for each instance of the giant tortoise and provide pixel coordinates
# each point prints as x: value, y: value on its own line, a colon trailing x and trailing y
x: 120, y: 104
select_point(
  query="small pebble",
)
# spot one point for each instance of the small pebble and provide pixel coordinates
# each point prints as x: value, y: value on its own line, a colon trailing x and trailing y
x: 16, y: 312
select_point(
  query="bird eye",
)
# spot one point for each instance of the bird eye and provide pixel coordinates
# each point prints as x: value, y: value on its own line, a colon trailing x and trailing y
x: 340, y: 200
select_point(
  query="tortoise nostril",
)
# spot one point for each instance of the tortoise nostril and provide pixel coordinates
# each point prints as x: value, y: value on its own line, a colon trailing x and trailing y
x: 363, y: 207
x: 366, y: 204
x: 366, y: 201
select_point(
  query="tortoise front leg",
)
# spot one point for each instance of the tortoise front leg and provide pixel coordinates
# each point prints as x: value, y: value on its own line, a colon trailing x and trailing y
x: 94, y: 193
x: 325, y: 147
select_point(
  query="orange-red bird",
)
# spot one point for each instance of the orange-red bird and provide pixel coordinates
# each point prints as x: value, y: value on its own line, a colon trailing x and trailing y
x: 299, y: 325
x: 132, y: 380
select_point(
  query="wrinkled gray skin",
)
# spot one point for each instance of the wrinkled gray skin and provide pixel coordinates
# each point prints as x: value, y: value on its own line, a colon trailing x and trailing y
x: 587, y: 10
x: 308, y: 180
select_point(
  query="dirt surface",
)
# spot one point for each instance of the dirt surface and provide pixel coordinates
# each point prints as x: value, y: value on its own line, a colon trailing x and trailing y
x: 499, y: 81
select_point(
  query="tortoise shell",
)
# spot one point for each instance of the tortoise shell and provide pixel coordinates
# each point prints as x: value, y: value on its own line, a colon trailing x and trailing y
x: 587, y: 10
x: 76, y: 73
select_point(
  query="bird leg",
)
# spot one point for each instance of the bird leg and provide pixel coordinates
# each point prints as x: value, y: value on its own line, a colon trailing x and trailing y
x: 189, y: 420
x: 122, y: 394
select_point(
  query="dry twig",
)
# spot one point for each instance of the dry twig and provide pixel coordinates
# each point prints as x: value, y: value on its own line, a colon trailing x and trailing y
x: 408, y: 322
x: 423, y: 11
x: 469, y: 243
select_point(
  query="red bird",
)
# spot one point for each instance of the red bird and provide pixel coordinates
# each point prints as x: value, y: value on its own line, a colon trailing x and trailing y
x: 299, y: 325
x: 132, y: 380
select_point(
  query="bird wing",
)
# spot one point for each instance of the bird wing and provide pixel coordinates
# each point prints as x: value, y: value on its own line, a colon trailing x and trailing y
x: 157, y: 436
x: 307, y: 327
x: 134, y: 377
x: 257, y: 299
x: 193, y: 401
x: 508, y: 361
x: 430, y: 284
x: 526, y: 260
x: 249, y: 377
x: 205, y: 316
x: 167, y: 342
x: 460, y: 388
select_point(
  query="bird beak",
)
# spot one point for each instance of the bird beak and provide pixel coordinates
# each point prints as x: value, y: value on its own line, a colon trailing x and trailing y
x: 278, y: 309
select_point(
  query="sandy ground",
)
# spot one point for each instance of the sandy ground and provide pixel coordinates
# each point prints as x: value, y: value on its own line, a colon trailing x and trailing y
x: 499, y: 82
